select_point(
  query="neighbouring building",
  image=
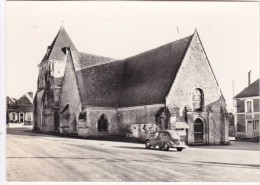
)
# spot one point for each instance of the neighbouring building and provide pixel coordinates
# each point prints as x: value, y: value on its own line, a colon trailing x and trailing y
x: 247, y: 110
x: 169, y: 87
x: 21, y: 110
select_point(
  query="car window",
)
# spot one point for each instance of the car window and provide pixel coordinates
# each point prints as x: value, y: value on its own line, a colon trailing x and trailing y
x: 156, y: 134
x: 163, y: 135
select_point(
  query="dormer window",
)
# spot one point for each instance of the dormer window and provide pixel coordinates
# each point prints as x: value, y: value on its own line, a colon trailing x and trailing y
x: 197, y: 99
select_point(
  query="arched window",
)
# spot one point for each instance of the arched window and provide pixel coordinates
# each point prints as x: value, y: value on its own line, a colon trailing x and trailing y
x: 197, y: 99
x: 102, y: 123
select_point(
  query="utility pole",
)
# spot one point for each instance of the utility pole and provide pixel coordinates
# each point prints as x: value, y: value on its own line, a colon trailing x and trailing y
x: 233, y: 87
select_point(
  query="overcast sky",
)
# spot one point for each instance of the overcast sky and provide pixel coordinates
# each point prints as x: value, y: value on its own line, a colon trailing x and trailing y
x: 229, y: 34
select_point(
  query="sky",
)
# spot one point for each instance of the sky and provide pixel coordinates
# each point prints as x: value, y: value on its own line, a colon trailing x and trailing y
x: 229, y: 32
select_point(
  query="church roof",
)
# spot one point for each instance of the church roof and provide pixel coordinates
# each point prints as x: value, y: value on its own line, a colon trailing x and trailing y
x: 149, y: 76
x: 90, y: 60
x: 138, y: 80
x: 56, y: 50
x: 251, y: 90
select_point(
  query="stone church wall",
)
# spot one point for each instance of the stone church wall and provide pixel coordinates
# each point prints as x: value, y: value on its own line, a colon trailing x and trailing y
x: 138, y: 121
x: 89, y: 126
x: 195, y: 72
x: 69, y: 96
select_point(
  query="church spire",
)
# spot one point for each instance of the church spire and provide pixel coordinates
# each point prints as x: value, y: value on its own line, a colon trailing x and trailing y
x: 61, y: 41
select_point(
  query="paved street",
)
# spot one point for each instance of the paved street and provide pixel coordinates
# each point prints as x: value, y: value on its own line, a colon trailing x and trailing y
x: 38, y: 157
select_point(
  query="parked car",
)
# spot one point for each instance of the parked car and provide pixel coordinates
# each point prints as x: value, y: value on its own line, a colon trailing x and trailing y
x: 165, y: 139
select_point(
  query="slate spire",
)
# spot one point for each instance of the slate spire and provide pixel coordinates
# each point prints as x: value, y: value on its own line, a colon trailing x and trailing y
x: 56, y: 50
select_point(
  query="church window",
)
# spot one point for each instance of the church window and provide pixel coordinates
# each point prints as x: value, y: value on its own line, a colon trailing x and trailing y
x: 197, y: 99
x: 82, y: 115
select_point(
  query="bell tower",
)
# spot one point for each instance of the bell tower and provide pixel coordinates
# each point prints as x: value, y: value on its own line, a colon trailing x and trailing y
x: 50, y: 79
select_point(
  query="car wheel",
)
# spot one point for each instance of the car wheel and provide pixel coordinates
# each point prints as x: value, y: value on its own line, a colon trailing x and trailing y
x: 165, y: 146
x: 147, y: 144
x: 179, y: 149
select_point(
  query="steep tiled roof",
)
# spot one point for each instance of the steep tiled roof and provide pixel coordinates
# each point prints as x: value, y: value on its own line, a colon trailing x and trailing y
x: 12, y: 100
x: 25, y: 100
x: 148, y: 76
x: 100, y: 85
x: 57, y: 49
x: 142, y: 79
x: 251, y: 90
x: 29, y: 97
x: 90, y: 60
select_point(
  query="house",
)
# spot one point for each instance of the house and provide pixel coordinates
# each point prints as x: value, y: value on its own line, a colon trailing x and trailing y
x: 21, y: 110
x: 169, y: 87
x: 247, y: 110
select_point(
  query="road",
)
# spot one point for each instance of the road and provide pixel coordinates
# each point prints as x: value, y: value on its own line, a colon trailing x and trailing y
x: 38, y: 157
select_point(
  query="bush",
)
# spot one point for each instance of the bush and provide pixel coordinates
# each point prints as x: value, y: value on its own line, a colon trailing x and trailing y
x: 240, y: 135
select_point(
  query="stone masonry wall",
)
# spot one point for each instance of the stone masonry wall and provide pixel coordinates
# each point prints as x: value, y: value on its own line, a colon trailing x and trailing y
x: 89, y: 127
x: 195, y: 72
x: 69, y: 94
x: 133, y: 120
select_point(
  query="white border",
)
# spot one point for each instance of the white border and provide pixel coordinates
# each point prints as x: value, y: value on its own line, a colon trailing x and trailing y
x: 2, y: 95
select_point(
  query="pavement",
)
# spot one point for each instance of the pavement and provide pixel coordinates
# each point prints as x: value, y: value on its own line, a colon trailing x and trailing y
x: 33, y: 157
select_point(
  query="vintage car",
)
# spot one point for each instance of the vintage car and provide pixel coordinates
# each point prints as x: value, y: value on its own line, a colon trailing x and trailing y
x: 165, y: 139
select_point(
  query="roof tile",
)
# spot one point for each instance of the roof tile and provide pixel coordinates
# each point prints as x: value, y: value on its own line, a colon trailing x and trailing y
x: 251, y: 90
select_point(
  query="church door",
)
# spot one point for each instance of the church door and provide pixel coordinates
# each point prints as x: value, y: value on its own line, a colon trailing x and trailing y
x: 102, y: 123
x: 198, y: 131
x: 56, y: 120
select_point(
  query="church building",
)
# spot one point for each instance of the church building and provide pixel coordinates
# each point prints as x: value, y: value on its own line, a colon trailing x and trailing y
x: 169, y: 87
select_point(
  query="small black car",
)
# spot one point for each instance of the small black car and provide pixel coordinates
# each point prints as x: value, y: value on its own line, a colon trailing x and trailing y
x: 165, y: 139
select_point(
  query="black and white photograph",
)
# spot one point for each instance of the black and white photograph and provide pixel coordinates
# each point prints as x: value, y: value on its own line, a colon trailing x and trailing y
x: 130, y: 91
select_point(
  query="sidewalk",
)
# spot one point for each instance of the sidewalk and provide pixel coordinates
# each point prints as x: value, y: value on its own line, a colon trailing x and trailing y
x: 17, y: 125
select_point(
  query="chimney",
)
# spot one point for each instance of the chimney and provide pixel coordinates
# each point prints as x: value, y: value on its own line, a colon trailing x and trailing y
x: 30, y: 94
x: 249, y: 78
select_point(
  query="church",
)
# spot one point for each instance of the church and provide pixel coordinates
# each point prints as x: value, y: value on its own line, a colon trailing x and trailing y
x: 169, y: 87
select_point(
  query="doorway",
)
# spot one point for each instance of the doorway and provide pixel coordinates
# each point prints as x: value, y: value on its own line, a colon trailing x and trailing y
x: 21, y: 117
x: 198, y: 131
x: 102, y: 123
x: 56, y: 120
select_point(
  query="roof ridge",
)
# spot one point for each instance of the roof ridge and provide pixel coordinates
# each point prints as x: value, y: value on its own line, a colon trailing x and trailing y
x: 169, y: 43
x: 11, y: 98
x: 91, y: 54
x: 29, y: 97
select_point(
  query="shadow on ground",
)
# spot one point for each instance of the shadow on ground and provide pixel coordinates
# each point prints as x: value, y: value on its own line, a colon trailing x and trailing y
x: 27, y: 131
x: 152, y: 162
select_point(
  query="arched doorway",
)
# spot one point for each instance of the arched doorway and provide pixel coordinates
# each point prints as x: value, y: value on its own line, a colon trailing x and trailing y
x: 198, y: 131
x: 102, y: 123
